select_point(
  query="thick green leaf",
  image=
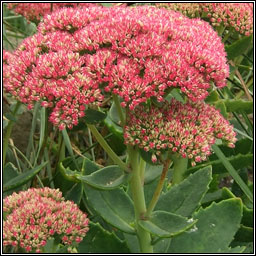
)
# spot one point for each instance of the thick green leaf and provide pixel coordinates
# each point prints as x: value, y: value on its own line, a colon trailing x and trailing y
x: 116, y: 141
x: 68, y: 174
x: 175, y: 93
x: 212, y: 97
x: 244, y: 234
x: 238, y: 105
x: 212, y: 196
x: 90, y: 166
x: 114, y: 206
x: 99, y: 240
x: 222, y: 107
x: 9, y: 173
x: 132, y: 243
x: 245, y: 246
x: 214, y: 231
x: 185, y: 197
x: 113, y: 114
x: 75, y: 193
x: 239, y: 161
x: 113, y: 127
x: 247, y: 219
x: 23, y: 178
x: 238, y: 47
x: 162, y: 245
x: 93, y: 116
x: 237, y: 249
x: 109, y: 177
x: 152, y: 172
x: 165, y: 224
x: 244, y: 146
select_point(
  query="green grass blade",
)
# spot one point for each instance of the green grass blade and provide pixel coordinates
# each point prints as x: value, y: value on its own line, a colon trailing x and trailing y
x: 243, y: 134
x: 69, y: 147
x: 232, y: 172
x: 42, y: 131
x: 31, y: 135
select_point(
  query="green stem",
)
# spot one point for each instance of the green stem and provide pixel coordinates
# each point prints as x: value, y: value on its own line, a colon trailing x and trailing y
x: 90, y: 141
x: 61, y: 148
x: 159, y: 188
x: 48, y: 167
x: 108, y: 149
x: 119, y: 109
x: 139, y: 201
x: 9, y: 131
x: 142, y: 170
x: 179, y: 168
x: 12, y: 17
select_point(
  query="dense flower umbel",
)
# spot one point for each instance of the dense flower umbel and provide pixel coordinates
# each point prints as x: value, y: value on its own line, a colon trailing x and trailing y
x: 232, y: 15
x: 35, y: 215
x: 79, y: 55
x: 188, y: 129
x: 35, y: 11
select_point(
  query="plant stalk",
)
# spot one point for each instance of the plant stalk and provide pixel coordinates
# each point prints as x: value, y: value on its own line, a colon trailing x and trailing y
x: 159, y: 188
x: 179, y: 168
x: 107, y: 148
x: 139, y: 201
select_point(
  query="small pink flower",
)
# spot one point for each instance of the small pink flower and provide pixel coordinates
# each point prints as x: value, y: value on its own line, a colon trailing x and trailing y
x: 188, y: 129
x: 31, y: 214
x: 230, y: 15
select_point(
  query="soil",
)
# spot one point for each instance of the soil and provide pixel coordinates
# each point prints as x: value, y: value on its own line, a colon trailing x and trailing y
x: 21, y: 129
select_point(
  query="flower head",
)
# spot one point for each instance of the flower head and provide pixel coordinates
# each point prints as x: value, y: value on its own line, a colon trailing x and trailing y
x: 80, y: 55
x: 231, y: 15
x: 187, y: 129
x: 35, y: 215
x: 35, y: 11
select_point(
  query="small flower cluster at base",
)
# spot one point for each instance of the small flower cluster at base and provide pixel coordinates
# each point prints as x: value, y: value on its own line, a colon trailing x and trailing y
x: 187, y: 129
x: 35, y: 11
x: 35, y: 215
x: 231, y: 15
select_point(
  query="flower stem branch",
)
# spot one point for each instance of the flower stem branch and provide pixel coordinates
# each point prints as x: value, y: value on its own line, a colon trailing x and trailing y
x: 179, y: 168
x: 159, y: 188
x: 242, y: 81
x: 107, y: 148
x: 9, y: 131
x: 139, y: 201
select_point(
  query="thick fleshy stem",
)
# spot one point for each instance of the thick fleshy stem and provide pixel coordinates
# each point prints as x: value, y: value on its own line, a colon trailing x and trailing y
x: 107, y: 148
x: 159, y: 188
x: 179, y: 168
x: 142, y: 170
x: 139, y: 201
x: 9, y: 131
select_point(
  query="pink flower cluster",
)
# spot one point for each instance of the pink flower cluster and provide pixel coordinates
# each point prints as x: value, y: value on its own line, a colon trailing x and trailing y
x: 188, y: 129
x: 35, y: 215
x: 231, y: 15
x: 35, y: 11
x: 80, y: 55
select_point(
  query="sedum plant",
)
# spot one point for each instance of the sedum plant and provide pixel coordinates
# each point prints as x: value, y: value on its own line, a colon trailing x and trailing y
x: 153, y: 68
